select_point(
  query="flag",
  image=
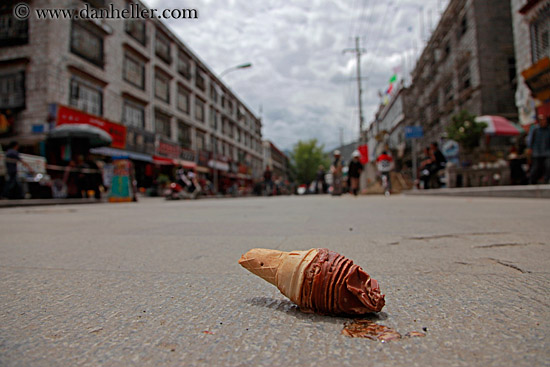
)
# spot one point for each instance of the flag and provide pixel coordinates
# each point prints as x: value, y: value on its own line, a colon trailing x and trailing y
x: 389, y: 89
x: 386, y: 100
x: 393, y: 78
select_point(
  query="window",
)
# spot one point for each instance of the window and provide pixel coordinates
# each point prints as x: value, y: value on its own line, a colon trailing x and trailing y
x: 184, y: 135
x: 464, y: 76
x: 199, y: 109
x: 448, y: 92
x: 133, y: 71
x: 162, y: 47
x: 213, y: 118
x: 87, y: 43
x: 463, y: 27
x: 162, y: 87
x: 86, y: 96
x: 512, y: 72
x: 134, y: 115
x: 184, y: 65
x: 162, y: 124
x: 213, y: 93
x: 183, y: 99
x: 201, y: 141
x: 447, y: 50
x: 136, y: 27
x: 12, y: 31
x: 12, y: 90
x: 540, y: 35
x: 199, y: 79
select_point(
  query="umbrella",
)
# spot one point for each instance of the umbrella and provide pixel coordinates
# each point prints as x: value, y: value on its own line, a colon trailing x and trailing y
x: 95, y: 136
x: 499, y: 126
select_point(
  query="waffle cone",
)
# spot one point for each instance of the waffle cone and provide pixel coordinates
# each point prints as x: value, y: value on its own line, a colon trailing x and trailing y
x: 283, y: 269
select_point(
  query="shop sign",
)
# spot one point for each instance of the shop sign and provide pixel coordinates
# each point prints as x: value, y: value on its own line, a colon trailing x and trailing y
x: 187, y: 155
x: 243, y: 169
x: 537, y: 78
x: 66, y: 115
x: 168, y: 149
x: 204, y: 157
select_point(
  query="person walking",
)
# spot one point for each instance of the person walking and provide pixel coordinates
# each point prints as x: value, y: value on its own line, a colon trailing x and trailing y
x: 354, y: 172
x: 320, y: 183
x: 13, y: 190
x: 538, y: 142
x: 336, y: 170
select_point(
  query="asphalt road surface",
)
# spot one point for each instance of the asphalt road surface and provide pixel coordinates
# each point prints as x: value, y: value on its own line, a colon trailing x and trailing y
x: 157, y: 283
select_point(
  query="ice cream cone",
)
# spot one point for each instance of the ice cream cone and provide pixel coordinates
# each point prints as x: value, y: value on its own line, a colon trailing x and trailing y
x: 317, y: 280
x: 284, y: 270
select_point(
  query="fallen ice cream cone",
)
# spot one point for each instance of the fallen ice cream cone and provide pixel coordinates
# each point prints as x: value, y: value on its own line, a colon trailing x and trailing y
x: 317, y: 280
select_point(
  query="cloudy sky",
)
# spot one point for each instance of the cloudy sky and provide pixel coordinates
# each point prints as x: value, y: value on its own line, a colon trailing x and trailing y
x: 302, y: 83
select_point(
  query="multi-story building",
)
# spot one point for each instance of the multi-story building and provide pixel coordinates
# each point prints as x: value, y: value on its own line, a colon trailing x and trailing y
x: 387, y: 131
x: 132, y: 77
x: 532, y: 44
x: 276, y: 160
x: 467, y: 64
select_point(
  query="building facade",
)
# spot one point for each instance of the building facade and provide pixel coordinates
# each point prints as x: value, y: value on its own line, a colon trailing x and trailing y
x: 532, y: 44
x: 132, y: 73
x: 468, y: 64
x: 387, y: 131
x: 276, y: 160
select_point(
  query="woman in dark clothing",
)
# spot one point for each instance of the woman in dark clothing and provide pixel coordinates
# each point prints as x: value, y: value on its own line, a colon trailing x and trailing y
x: 354, y: 172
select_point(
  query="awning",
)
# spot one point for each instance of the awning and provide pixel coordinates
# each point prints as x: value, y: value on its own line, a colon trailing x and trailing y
x: 185, y: 164
x: 499, y: 126
x: 119, y: 153
x: 95, y: 136
x: 222, y: 166
x: 202, y: 169
x: 163, y: 161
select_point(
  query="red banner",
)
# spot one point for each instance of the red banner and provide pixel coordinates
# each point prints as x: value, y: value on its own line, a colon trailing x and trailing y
x: 66, y: 115
x: 364, y: 150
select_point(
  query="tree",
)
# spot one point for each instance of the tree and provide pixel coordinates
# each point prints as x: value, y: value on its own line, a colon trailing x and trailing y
x: 465, y: 130
x: 306, y: 158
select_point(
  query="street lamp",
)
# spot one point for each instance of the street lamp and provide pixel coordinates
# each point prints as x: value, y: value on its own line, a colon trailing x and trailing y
x: 241, y: 66
x: 215, y: 160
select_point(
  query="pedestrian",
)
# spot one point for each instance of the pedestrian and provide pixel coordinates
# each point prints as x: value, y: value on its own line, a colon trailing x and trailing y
x: 13, y: 190
x: 354, y: 172
x: 268, y: 181
x: 538, y: 142
x: 515, y: 162
x: 320, y: 185
x: 384, y: 163
x: 425, y: 168
x: 438, y: 163
x: 336, y: 170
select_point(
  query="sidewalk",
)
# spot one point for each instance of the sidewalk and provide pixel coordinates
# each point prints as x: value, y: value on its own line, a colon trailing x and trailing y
x: 527, y: 191
x: 4, y: 203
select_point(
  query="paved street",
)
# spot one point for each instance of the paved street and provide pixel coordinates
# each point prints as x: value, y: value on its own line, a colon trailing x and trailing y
x: 157, y: 283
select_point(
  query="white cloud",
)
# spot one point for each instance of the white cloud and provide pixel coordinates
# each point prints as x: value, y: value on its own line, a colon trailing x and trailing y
x: 300, y: 76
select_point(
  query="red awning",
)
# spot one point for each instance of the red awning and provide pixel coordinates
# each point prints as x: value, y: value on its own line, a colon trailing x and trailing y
x: 186, y: 164
x: 499, y: 126
x: 163, y: 160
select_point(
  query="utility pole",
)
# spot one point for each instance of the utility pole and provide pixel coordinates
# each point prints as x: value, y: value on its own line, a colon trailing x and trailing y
x: 358, y: 51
